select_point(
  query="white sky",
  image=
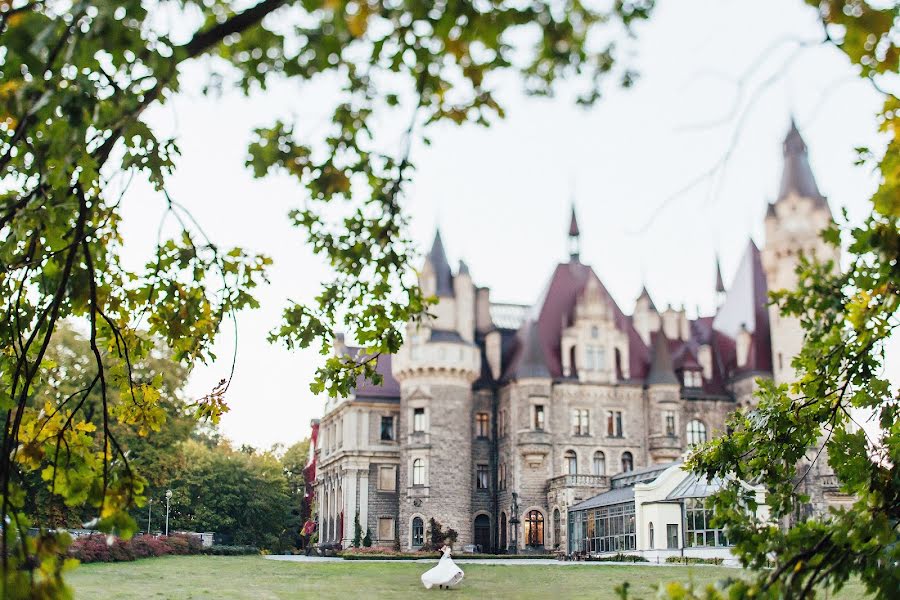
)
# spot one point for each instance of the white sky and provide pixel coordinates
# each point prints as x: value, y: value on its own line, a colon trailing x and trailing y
x: 502, y: 195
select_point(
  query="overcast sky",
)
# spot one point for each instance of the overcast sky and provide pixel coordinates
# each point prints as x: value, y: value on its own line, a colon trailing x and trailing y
x: 501, y: 196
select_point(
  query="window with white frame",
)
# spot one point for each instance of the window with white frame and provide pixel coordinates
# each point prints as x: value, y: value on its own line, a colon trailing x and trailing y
x: 418, y: 471
x: 418, y: 420
x: 481, y: 477
x: 614, y: 423
x: 696, y: 432
x: 599, y: 463
x: 581, y: 421
x: 539, y: 417
x: 693, y: 379
x: 669, y: 419
x: 482, y: 425
x: 571, y: 461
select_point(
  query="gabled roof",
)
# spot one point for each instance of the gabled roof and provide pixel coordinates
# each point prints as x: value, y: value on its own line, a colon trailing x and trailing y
x: 797, y: 176
x: 554, y: 312
x: 442, y: 274
x: 695, y: 486
x: 661, y: 370
x: 746, y: 305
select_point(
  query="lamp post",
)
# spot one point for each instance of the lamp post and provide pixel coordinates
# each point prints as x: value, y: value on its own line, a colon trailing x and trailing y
x: 149, y: 512
x: 514, y: 521
x: 168, y: 498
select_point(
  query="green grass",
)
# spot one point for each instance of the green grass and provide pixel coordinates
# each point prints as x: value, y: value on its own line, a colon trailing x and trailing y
x: 254, y: 577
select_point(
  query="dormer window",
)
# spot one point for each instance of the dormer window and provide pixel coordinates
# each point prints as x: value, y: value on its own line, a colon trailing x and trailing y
x: 595, y: 357
x: 693, y: 379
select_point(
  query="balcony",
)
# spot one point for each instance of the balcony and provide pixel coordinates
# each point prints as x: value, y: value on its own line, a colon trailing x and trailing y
x: 580, y: 481
x: 665, y: 443
x: 536, y: 437
x: 829, y: 483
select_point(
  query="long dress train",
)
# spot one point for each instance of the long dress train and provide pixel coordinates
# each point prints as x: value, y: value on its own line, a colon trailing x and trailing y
x: 444, y: 573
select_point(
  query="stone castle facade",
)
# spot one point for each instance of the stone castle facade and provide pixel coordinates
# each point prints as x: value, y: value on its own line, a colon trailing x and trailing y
x: 488, y: 405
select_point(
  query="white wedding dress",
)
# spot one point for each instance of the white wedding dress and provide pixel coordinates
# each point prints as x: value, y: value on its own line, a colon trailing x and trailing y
x: 445, y: 573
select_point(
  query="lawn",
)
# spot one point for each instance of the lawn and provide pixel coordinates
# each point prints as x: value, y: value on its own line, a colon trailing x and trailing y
x: 257, y: 578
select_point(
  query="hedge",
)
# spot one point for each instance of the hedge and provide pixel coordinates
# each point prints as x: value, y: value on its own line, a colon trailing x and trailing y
x: 102, y: 548
x: 617, y: 558
x: 384, y: 554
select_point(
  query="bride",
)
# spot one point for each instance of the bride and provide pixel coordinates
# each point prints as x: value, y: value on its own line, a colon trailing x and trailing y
x: 444, y: 574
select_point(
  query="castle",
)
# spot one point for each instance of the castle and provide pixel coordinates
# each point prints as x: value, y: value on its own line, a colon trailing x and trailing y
x: 496, y: 419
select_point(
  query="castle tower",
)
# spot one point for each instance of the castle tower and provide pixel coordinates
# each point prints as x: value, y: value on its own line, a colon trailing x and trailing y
x: 436, y: 367
x: 793, y: 224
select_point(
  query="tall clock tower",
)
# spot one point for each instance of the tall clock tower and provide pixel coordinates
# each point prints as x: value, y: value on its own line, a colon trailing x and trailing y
x: 794, y: 223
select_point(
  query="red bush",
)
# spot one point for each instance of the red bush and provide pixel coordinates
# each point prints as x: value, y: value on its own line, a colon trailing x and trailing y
x: 99, y: 548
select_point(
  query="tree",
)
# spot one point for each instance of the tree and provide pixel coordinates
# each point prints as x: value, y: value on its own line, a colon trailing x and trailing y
x: 846, y: 317
x: 357, y: 531
x: 241, y: 497
x: 293, y: 462
x: 76, y: 82
x: 158, y: 457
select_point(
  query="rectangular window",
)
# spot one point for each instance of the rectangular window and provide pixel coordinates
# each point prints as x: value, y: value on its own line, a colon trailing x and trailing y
x: 385, y: 528
x: 581, y: 421
x: 700, y: 531
x: 418, y: 420
x: 481, y: 477
x: 387, y: 429
x: 606, y: 529
x: 614, y: 423
x: 387, y: 479
x: 670, y: 423
x: 672, y: 537
x: 539, y: 417
x: 482, y: 425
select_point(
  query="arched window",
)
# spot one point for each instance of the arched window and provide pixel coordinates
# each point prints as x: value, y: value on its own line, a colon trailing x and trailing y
x: 651, y: 537
x: 696, y: 432
x: 503, y: 531
x: 483, y: 533
x: 627, y: 462
x: 571, y: 462
x: 595, y: 332
x: 534, y: 528
x: 556, y: 523
x: 418, y: 472
x: 599, y: 463
x: 418, y: 532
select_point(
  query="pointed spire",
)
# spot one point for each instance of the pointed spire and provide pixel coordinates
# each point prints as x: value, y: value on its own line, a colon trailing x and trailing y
x: 443, y: 275
x: 646, y: 295
x: 720, y: 284
x: 574, y: 237
x: 797, y: 176
x: 661, y: 370
x: 463, y: 268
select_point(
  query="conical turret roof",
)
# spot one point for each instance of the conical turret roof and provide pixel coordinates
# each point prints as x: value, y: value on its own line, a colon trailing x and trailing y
x: 442, y: 273
x: 797, y: 176
x: 661, y: 370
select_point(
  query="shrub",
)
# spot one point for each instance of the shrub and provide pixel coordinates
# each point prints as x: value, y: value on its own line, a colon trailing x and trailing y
x: 689, y: 560
x: 101, y: 548
x: 221, y: 550
x: 618, y: 558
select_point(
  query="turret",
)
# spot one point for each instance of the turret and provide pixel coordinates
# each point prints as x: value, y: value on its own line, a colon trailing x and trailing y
x: 645, y: 318
x: 793, y: 225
